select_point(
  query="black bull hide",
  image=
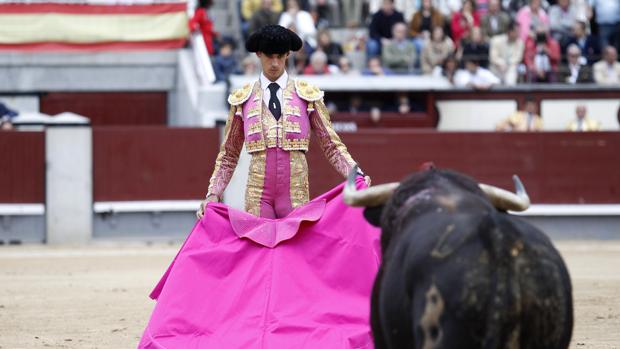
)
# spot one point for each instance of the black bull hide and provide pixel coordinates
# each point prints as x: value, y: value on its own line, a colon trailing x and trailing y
x: 458, y: 273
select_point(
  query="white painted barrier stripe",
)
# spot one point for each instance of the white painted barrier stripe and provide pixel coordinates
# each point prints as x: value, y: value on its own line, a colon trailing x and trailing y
x: 572, y: 210
x: 147, y: 206
x: 22, y: 209
x: 17, y: 252
x: 192, y: 205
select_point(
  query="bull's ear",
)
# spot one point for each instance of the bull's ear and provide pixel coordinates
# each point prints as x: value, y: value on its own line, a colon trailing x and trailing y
x: 373, y: 215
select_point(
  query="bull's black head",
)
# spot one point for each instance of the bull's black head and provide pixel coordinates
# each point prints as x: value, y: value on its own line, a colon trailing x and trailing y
x: 423, y: 192
x: 391, y: 206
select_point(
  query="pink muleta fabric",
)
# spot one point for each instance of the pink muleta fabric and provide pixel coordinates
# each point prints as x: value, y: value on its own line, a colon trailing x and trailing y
x: 239, y: 281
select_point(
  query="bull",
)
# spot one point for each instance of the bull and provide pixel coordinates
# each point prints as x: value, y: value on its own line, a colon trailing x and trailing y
x: 458, y: 271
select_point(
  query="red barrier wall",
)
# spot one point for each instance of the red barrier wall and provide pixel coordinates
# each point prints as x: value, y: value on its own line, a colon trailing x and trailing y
x: 155, y: 163
x: 110, y: 108
x: 555, y: 167
x: 152, y: 163
x: 22, y: 174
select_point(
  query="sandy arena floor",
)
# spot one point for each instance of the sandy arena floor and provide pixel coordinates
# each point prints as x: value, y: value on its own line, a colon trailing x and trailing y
x: 96, y: 297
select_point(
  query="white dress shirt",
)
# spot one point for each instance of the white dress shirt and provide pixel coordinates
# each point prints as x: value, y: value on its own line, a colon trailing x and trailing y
x: 264, y: 84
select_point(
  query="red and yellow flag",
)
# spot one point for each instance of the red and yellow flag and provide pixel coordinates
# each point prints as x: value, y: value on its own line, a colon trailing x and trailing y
x: 70, y: 26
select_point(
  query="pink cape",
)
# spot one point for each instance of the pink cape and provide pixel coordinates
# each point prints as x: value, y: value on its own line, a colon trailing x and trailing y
x: 239, y: 281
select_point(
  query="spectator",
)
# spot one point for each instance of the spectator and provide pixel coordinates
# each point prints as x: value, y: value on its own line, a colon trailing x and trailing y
x: 447, y: 7
x: 562, y: 20
x: 587, y: 43
x: 351, y: 12
x: 583, y: 123
x: 404, y: 103
x: 332, y: 49
x: 506, y: 53
x: 475, y: 46
x: 250, y: 7
x: 399, y: 54
x: 300, y: 61
x: 264, y: 16
x: 607, y: 70
x: 225, y: 63
x: 526, y: 120
x: 250, y: 65
x: 375, y: 115
x: 608, y: 21
x: 513, y: 6
x: 6, y: 117
x: 463, y: 21
x: 583, y: 10
x: 436, y: 52
x: 357, y: 104
x: 375, y: 68
x: 530, y: 18
x: 345, y: 67
x: 406, y: 7
x: 496, y: 21
x: 448, y: 69
x: 482, y: 7
x: 326, y: 12
x: 576, y: 71
x: 201, y: 21
x: 304, y: 24
x: 318, y: 64
x: 423, y: 22
x: 380, y: 29
x: 475, y: 76
x: 542, y: 56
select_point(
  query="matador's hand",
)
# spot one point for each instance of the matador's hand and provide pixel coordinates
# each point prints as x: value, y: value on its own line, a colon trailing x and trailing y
x: 367, y: 180
x: 201, y: 211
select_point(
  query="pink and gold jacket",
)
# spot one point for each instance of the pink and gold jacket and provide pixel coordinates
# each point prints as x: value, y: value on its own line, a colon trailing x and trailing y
x: 250, y: 123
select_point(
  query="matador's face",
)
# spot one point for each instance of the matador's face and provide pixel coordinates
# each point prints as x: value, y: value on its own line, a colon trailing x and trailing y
x: 273, y: 64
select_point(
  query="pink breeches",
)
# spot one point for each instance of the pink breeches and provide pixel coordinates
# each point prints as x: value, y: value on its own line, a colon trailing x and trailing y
x: 275, y: 201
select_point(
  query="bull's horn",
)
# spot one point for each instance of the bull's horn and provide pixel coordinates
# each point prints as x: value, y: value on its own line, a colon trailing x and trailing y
x: 505, y: 200
x: 369, y: 197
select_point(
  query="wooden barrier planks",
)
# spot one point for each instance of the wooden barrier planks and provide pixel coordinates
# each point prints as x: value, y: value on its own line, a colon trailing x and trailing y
x: 557, y: 167
x: 22, y: 174
x: 152, y: 163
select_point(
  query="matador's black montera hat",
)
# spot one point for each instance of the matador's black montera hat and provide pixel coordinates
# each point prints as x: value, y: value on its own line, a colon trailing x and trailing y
x: 272, y: 39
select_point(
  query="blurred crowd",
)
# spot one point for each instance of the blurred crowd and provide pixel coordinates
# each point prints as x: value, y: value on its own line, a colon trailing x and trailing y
x: 475, y: 43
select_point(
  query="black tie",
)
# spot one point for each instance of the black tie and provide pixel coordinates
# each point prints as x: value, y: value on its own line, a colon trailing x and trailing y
x: 274, y: 103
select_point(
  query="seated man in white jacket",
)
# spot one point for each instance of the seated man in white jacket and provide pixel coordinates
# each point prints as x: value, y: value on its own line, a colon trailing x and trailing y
x: 474, y: 75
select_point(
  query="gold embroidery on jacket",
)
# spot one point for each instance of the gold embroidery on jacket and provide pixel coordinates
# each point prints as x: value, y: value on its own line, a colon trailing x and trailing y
x: 256, y: 182
x: 241, y: 95
x: 255, y: 128
x: 299, y: 189
x: 333, y: 148
x: 227, y: 158
x: 296, y: 144
x: 272, y: 128
x: 259, y: 144
x: 292, y: 110
x: 254, y: 146
x: 254, y: 111
x: 292, y: 126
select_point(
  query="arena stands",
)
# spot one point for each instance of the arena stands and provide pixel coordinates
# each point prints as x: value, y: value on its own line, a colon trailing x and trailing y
x: 148, y: 85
